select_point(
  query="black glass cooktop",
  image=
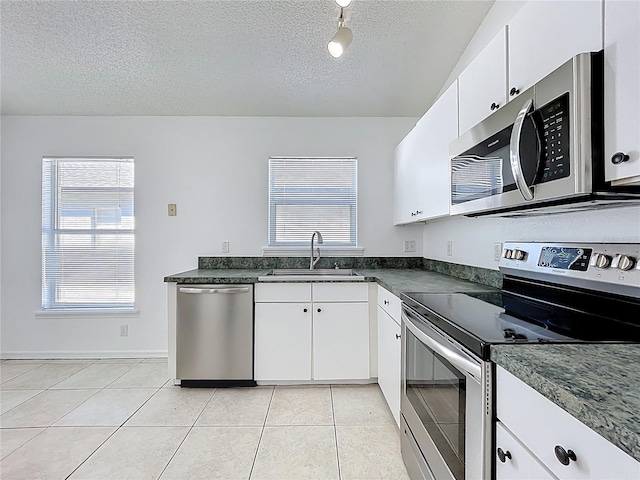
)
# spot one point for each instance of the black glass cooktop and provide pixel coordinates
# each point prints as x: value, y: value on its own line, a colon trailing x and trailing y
x: 478, y: 320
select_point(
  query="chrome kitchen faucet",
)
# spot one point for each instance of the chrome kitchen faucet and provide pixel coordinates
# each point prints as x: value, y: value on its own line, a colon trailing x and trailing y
x: 313, y: 262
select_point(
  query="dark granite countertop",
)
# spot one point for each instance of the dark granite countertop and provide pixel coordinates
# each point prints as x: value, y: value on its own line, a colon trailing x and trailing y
x: 395, y: 280
x: 217, y: 275
x: 404, y: 280
x: 597, y: 384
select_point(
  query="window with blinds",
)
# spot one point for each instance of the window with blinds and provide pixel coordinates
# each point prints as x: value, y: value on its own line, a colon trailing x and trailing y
x: 308, y: 194
x: 87, y: 233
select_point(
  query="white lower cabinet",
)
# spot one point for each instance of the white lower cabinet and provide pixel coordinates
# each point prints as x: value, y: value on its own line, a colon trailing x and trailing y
x: 299, y: 339
x: 389, y: 349
x: 514, y: 461
x: 340, y: 341
x: 563, y: 444
x: 389, y: 361
x: 282, y: 341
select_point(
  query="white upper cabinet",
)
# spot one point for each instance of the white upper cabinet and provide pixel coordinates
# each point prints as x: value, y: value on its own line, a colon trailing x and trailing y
x: 422, y: 183
x: 405, y: 190
x: 545, y: 34
x: 482, y: 86
x: 622, y: 91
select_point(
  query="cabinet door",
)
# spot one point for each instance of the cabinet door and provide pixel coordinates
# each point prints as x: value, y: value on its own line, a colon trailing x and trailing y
x: 389, y: 361
x: 622, y: 90
x: 516, y: 462
x: 390, y: 303
x: 482, y: 86
x: 422, y: 174
x: 437, y: 129
x: 545, y: 34
x: 405, y: 180
x: 340, y: 341
x: 551, y: 426
x: 282, y: 341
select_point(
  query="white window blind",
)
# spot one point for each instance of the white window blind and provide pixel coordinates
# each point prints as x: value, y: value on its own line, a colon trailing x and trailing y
x: 87, y: 233
x: 308, y: 194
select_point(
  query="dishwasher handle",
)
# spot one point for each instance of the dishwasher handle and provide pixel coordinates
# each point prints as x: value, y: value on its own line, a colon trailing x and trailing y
x: 214, y: 290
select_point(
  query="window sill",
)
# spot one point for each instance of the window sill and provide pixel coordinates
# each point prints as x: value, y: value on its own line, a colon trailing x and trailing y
x: 304, y: 251
x: 88, y: 313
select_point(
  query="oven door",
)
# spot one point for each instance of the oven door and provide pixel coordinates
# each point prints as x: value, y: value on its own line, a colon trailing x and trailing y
x: 445, y: 405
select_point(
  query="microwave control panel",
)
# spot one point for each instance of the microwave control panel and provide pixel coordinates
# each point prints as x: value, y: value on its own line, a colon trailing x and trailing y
x: 554, y: 123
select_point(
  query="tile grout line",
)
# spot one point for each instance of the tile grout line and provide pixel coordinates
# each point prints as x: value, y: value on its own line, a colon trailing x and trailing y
x: 190, y: 429
x: 335, y: 432
x: 19, y: 375
x: 21, y: 403
x: 114, y: 432
x: 264, y: 424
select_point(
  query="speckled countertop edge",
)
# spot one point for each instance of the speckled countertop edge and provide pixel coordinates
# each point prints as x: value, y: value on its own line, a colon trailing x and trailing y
x: 217, y: 275
x: 597, y: 384
x: 396, y: 281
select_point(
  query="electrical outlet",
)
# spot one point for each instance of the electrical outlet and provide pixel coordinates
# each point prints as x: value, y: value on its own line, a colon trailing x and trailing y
x: 449, y: 248
x: 225, y: 246
x: 124, y: 330
x: 172, y: 210
x: 497, y: 251
x: 409, y: 245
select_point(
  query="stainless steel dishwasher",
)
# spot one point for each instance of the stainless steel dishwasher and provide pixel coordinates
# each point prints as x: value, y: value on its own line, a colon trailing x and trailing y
x: 214, y: 336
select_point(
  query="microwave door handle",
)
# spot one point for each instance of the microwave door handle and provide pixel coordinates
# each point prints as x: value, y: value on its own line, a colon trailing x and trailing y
x: 456, y: 359
x: 514, y: 152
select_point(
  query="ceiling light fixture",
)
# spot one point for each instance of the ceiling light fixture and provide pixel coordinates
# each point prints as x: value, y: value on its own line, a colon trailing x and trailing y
x: 342, y: 39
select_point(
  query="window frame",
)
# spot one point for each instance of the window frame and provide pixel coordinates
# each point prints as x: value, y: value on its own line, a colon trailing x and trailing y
x: 353, y: 208
x: 51, y: 230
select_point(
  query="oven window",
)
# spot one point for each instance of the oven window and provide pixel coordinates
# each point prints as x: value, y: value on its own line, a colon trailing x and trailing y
x: 437, y: 392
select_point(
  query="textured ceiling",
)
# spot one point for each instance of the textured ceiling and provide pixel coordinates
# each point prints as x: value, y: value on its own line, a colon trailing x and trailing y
x: 240, y: 57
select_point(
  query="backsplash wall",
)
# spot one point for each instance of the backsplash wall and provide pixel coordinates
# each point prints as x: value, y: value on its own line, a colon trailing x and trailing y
x: 473, y: 238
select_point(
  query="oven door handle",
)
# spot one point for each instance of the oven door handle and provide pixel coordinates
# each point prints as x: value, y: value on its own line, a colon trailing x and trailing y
x: 457, y: 359
x: 514, y: 152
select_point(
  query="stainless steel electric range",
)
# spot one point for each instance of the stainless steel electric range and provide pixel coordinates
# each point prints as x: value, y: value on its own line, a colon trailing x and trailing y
x: 552, y: 293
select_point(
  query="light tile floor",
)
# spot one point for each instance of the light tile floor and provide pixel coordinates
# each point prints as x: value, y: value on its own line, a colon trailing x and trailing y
x: 122, y: 419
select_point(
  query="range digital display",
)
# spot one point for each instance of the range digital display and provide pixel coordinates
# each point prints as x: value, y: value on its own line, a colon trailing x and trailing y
x: 565, y: 258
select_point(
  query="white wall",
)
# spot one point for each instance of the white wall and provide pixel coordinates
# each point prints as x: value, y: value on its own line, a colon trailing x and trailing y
x: 213, y: 168
x: 473, y: 238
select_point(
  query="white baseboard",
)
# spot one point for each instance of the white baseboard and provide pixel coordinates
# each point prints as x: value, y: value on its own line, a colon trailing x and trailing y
x: 55, y: 355
x: 318, y: 382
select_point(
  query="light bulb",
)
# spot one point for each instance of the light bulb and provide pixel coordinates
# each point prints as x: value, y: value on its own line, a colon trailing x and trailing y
x: 343, y: 3
x: 340, y: 41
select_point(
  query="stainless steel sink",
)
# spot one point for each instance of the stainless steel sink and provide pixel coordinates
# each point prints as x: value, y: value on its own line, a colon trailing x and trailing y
x: 318, y: 274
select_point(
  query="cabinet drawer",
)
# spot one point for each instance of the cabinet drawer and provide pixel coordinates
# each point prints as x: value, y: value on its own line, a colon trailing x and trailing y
x: 283, y: 292
x: 341, y: 292
x: 541, y: 425
x: 518, y: 462
x: 389, y: 303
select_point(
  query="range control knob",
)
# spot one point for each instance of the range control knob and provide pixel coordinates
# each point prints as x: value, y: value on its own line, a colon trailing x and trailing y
x: 518, y: 254
x: 601, y: 261
x: 623, y: 262
x: 506, y: 253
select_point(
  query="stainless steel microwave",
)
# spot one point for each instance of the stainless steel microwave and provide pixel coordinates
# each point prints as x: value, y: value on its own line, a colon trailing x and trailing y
x: 543, y: 148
